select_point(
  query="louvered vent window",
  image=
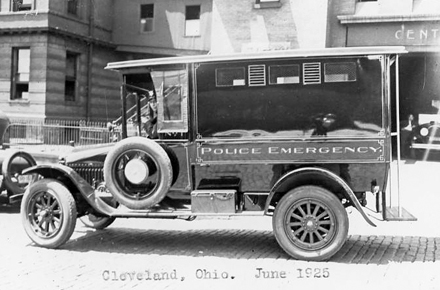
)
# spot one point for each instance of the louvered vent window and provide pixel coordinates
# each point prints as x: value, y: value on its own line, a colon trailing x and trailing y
x: 257, y: 75
x: 312, y: 73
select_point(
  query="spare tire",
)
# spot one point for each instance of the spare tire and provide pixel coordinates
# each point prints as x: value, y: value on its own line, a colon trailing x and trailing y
x: 12, y: 166
x: 174, y: 162
x: 138, y: 172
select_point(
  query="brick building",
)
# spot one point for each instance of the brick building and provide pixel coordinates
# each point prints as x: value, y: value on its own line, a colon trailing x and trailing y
x: 54, y: 52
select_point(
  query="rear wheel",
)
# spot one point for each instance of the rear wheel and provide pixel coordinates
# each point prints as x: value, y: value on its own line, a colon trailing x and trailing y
x: 48, y: 213
x: 310, y: 223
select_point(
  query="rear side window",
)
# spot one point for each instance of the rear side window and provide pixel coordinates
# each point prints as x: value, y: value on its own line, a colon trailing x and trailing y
x: 284, y: 74
x: 340, y: 72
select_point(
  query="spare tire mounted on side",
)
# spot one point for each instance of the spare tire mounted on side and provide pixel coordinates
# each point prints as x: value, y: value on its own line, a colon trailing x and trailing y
x: 138, y: 172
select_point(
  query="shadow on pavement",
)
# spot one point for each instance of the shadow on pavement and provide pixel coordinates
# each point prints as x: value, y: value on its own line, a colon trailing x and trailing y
x: 250, y: 244
x: 237, y: 244
x: 10, y: 208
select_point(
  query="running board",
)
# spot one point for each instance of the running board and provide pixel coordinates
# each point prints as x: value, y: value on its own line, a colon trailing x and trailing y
x: 122, y: 211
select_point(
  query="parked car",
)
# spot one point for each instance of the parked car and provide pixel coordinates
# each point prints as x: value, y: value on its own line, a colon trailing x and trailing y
x: 12, y: 163
x: 426, y: 139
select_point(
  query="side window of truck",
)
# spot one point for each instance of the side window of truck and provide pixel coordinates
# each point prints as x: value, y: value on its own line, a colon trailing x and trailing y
x: 230, y: 77
x: 171, y: 87
x: 284, y: 74
x: 340, y: 72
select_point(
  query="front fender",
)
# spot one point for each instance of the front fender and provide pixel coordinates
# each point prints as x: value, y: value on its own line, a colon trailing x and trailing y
x: 299, y: 176
x: 75, y: 183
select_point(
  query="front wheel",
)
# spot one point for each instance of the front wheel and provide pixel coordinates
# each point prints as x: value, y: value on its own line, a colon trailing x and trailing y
x: 310, y: 223
x: 48, y: 213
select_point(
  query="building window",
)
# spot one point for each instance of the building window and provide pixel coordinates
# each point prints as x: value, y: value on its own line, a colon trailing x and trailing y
x: 229, y: 77
x: 267, y: 4
x: 71, y: 76
x: 21, y: 64
x: 22, y: 5
x: 340, y: 72
x: 192, y: 20
x: 284, y: 74
x: 147, y: 17
x: 72, y: 7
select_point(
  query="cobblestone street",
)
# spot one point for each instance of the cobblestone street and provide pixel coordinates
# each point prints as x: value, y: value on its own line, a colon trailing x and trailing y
x: 234, y: 253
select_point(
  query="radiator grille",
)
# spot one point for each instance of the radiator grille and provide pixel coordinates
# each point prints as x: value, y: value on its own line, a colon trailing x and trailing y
x: 91, y: 173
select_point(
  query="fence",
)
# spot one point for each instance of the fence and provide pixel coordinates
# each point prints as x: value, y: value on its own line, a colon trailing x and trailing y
x: 58, y: 132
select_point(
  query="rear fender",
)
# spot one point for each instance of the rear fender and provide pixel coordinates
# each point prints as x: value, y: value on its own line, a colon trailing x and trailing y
x: 315, y: 176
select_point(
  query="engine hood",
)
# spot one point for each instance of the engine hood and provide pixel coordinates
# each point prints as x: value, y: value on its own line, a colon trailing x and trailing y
x: 95, y: 153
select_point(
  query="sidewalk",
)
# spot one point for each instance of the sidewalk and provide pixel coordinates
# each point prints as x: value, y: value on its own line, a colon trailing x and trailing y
x: 419, y: 194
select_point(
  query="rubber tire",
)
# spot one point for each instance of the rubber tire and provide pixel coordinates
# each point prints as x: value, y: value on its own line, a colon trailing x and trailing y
x: 164, y: 167
x: 67, y: 205
x: 95, y: 222
x: 99, y: 222
x: 8, y: 183
x: 333, y: 205
x: 174, y: 162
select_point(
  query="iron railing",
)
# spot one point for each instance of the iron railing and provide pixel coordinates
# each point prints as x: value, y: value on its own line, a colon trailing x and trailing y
x: 59, y: 132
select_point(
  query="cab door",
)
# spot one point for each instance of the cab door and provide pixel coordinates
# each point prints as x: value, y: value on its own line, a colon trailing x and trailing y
x: 171, y: 88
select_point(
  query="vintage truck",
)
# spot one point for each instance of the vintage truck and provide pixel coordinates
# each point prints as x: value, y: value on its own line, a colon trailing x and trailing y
x: 295, y: 135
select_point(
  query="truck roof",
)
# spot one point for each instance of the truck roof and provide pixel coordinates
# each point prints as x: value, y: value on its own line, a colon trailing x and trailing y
x: 297, y: 53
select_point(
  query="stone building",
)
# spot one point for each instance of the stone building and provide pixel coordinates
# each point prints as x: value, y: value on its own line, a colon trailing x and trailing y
x: 52, y: 56
x: 54, y: 52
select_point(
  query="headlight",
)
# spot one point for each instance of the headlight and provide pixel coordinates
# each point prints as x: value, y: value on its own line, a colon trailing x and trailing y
x: 424, y: 132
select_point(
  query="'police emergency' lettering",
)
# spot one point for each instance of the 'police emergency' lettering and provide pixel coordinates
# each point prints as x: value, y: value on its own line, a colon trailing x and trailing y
x: 368, y: 150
